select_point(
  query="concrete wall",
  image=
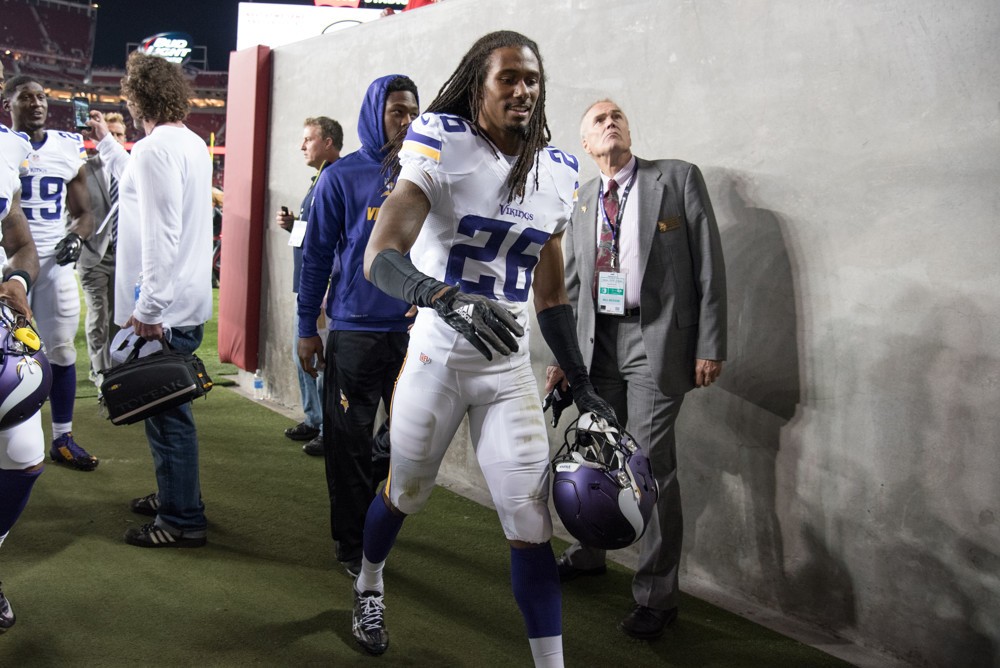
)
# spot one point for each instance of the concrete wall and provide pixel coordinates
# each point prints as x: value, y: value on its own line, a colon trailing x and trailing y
x: 844, y: 471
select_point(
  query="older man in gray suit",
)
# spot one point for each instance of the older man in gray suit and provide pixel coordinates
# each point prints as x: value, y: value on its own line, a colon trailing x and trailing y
x: 646, y: 278
x: 96, y: 265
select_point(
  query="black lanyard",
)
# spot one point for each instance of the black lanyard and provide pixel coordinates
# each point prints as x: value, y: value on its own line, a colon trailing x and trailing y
x: 616, y: 227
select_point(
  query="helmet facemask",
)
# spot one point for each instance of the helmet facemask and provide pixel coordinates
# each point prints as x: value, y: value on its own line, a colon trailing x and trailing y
x: 603, y: 486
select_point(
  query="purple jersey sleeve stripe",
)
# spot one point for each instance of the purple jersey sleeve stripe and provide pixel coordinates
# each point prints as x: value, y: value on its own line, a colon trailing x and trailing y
x: 413, y: 135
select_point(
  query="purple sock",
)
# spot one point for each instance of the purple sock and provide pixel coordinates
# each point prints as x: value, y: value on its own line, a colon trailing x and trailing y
x: 381, y: 528
x: 63, y: 393
x: 535, y: 580
x: 15, y: 488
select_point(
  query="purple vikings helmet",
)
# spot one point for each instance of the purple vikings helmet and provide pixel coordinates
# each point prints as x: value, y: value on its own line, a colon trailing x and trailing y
x: 25, y: 374
x: 603, y: 486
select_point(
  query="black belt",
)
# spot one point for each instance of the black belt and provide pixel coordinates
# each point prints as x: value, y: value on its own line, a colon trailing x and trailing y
x: 629, y: 313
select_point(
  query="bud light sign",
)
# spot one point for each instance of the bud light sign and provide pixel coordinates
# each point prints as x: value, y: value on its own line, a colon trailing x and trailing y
x: 172, y: 46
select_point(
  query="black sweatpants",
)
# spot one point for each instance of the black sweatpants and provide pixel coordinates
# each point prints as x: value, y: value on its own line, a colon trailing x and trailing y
x: 361, y: 370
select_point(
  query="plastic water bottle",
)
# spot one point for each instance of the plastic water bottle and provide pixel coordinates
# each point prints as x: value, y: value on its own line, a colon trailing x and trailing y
x: 138, y: 288
x: 258, y: 385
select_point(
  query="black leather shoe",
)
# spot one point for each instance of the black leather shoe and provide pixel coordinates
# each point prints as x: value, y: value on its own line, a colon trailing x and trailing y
x: 302, y: 432
x: 647, y: 623
x: 569, y: 572
x: 353, y: 567
x: 314, y: 447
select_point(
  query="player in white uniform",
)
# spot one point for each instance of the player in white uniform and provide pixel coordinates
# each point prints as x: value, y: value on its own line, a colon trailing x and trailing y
x: 14, y: 148
x: 22, y: 447
x: 56, y: 202
x: 481, y: 204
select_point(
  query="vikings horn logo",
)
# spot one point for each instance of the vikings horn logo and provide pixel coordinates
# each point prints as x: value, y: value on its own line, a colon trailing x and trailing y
x: 30, y: 373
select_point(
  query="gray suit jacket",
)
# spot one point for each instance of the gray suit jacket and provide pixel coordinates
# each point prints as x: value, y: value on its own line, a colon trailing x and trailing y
x: 96, y: 246
x: 682, y: 310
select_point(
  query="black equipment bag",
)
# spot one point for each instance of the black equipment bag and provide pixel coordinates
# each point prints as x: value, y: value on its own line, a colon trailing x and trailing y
x: 142, y: 387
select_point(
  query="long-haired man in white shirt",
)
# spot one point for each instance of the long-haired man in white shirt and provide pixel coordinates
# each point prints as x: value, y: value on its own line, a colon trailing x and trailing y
x: 164, y: 248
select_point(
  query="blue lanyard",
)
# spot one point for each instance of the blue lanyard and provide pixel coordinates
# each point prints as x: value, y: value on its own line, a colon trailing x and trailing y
x: 616, y: 227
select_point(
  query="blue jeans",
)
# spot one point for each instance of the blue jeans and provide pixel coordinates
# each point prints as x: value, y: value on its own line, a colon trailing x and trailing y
x: 174, y: 444
x: 310, y: 389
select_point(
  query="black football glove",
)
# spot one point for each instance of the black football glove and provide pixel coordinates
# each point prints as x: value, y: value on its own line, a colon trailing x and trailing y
x: 558, y: 400
x: 586, y: 399
x: 68, y: 249
x: 480, y: 320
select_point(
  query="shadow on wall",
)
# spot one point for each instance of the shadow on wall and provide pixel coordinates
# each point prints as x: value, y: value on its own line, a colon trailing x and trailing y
x: 763, y: 349
x: 761, y: 394
x: 916, y: 497
x: 938, y: 558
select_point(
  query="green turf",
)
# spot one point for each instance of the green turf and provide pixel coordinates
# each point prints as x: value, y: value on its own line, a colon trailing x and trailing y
x: 220, y: 373
x: 267, y: 591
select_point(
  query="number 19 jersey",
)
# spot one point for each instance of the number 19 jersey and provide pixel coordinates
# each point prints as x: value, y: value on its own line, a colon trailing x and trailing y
x: 43, y: 186
x: 473, y: 237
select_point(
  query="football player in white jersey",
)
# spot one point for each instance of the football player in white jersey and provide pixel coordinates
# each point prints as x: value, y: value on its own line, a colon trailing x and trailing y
x: 22, y: 447
x: 56, y: 202
x: 480, y: 204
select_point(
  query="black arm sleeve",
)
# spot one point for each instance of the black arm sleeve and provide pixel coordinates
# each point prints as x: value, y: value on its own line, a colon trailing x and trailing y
x: 24, y: 276
x: 394, y: 274
x: 559, y: 331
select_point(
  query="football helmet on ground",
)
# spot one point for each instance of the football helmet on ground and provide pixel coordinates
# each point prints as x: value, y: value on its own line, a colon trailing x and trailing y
x: 602, y: 487
x: 25, y: 374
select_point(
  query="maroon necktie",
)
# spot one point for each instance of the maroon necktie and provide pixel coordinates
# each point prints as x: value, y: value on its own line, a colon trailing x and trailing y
x: 607, y: 248
x: 611, y: 201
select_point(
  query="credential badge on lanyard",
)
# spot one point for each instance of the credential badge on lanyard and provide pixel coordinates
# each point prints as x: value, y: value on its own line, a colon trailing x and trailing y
x: 611, y: 284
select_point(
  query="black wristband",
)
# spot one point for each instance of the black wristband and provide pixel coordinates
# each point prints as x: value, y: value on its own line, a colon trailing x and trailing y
x: 23, y: 275
x: 559, y: 331
x: 394, y: 274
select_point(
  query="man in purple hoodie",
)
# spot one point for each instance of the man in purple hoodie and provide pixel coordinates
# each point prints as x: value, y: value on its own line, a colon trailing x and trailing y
x: 368, y: 329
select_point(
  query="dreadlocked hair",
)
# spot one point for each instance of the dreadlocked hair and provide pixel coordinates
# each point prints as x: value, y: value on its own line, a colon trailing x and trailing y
x: 462, y: 95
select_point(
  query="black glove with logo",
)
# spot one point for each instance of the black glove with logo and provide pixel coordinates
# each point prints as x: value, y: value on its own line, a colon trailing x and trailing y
x: 587, y: 401
x: 480, y: 320
x: 68, y: 249
x: 558, y: 326
x: 558, y: 400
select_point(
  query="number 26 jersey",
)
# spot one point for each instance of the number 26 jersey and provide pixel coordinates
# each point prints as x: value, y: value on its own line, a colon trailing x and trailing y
x: 473, y: 237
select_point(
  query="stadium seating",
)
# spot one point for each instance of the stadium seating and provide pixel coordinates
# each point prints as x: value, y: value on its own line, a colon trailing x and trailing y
x: 108, y: 78
x: 60, y: 117
x: 211, y: 81
x: 57, y: 75
x: 20, y: 30
x: 69, y: 30
x: 53, y: 41
x: 204, y: 123
x: 49, y: 32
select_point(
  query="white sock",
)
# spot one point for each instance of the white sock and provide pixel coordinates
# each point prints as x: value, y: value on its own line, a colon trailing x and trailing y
x: 370, y: 578
x: 60, y: 428
x: 2, y: 537
x: 547, y: 652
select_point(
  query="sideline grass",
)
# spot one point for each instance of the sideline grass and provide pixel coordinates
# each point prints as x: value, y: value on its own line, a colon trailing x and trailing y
x: 266, y: 590
x: 208, y: 351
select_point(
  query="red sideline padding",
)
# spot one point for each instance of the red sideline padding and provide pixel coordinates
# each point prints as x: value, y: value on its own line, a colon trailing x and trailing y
x: 243, y: 214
